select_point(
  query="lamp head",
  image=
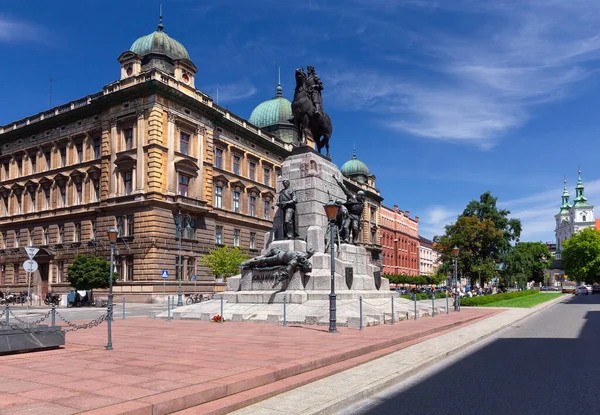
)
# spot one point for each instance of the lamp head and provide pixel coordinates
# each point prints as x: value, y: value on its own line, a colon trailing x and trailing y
x: 112, y: 235
x: 331, y: 209
x: 455, y: 251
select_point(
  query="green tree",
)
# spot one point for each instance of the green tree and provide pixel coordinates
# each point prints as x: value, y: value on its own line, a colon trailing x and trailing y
x: 526, y: 260
x: 581, y: 255
x: 483, y: 234
x: 224, y: 261
x: 89, y: 272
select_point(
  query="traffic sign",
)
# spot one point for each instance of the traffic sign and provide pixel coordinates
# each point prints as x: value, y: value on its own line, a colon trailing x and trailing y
x: 30, y: 265
x: 31, y: 251
x: 165, y: 274
x: 194, y: 277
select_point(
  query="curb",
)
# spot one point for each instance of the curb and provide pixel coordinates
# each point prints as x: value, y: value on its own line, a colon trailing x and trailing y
x: 376, y: 387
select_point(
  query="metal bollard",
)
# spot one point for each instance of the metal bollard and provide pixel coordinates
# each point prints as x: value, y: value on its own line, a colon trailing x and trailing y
x: 393, y: 316
x: 432, y: 305
x: 6, y: 312
x: 169, y: 308
x: 447, y: 309
x: 360, y: 315
x: 123, y: 307
x: 415, y: 298
x: 222, y: 318
x: 284, y: 316
x: 53, y: 315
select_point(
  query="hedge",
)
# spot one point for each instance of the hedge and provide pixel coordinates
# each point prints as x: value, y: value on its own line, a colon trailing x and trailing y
x: 413, y: 279
x: 488, y: 299
x: 425, y: 296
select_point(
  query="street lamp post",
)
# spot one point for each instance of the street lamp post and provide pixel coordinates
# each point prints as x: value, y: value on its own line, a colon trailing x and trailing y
x: 112, y: 237
x: 455, y: 252
x: 331, y: 210
x: 180, y: 228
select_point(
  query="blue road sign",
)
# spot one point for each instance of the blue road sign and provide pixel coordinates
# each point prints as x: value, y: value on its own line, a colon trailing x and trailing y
x: 165, y: 274
x: 194, y: 277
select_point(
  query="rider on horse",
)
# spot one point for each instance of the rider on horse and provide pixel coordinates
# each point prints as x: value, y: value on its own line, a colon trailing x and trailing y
x: 315, y: 86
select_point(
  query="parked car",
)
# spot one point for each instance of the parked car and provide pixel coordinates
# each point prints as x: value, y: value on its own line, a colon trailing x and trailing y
x: 589, y: 288
x: 596, y: 289
x: 581, y: 290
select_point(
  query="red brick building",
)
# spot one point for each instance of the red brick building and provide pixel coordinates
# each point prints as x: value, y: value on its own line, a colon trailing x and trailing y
x: 399, y: 241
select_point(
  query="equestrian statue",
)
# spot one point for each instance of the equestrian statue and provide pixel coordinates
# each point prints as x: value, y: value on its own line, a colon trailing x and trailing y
x: 307, y: 110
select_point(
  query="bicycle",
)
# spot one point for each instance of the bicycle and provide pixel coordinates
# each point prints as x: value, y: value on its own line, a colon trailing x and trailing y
x: 197, y: 298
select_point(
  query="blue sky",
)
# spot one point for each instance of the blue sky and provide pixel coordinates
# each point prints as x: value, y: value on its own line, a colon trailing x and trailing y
x: 442, y: 99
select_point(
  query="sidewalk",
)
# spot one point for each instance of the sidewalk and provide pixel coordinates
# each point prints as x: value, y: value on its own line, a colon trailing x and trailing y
x: 327, y: 397
x: 160, y: 367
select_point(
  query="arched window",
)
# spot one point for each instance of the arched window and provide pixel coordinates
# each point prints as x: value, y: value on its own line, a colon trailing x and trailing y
x: 583, y: 218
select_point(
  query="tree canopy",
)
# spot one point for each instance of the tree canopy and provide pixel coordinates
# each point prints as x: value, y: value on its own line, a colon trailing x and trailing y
x: 581, y: 255
x: 224, y: 261
x: 526, y: 260
x: 89, y: 272
x: 483, y: 234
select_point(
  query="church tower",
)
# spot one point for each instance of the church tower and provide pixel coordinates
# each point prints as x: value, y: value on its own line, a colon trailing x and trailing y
x: 563, y: 221
x: 582, y: 213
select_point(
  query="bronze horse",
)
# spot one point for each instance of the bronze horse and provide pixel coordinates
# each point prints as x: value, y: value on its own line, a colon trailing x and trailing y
x: 305, y: 119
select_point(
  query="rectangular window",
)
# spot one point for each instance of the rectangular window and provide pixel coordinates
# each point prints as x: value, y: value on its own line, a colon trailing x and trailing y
x: 78, y: 193
x: 184, y: 142
x: 96, y: 184
x: 191, y: 230
x: 267, y: 210
x: 61, y: 234
x: 63, y: 157
x: 191, y: 268
x: 48, y: 159
x: 252, y: 206
x: 267, y: 176
x: 77, y: 234
x: 31, y: 237
x: 17, y: 238
x: 130, y: 225
x: 97, y: 148
x: 128, y: 136
x: 236, y: 237
x: 79, y: 147
x: 129, y: 267
x: 128, y: 182
x: 33, y: 163
x: 219, y: 235
x: 252, y: 170
x: 218, y: 158
x: 60, y: 269
x: 184, y: 182
x: 45, y: 236
x: 16, y: 274
x: 236, y: 164
x: 121, y: 226
x: 218, y: 197
x: 33, y: 198
x: 93, y: 230
x: 63, y: 196
x: 236, y: 202
x: 252, y: 240
x: 3, y: 240
x: 47, y: 196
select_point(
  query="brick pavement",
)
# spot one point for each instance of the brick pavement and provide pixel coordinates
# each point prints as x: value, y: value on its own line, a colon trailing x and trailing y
x: 160, y: 367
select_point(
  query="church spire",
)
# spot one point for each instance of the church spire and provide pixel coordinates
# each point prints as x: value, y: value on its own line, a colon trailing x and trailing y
x: 564, y: 208
x: 580, y: 199
x: 160, y: 24
x: 279, y: 88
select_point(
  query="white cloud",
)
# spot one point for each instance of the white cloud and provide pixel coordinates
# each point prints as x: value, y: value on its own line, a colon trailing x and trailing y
x: 479, y: 85
x: 228, y: 93
x: 435, y: 218
x: 17, y: 31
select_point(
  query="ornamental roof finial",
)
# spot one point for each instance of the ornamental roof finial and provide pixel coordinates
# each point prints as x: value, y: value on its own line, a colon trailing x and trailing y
x: 160, y: 23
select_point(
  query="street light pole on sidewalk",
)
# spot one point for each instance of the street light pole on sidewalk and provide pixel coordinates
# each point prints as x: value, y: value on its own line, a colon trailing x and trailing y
x: 112, y: 237
x: 331, y: 210
x: 455, y: 252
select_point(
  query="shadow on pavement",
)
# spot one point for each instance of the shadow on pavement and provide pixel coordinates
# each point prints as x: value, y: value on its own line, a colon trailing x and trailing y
x: 514, y: 376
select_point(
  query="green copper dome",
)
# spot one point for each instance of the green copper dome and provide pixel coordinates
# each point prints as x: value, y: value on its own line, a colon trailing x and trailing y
x: 160, y: 43
x: 277, y: 110
x: 355, y: 168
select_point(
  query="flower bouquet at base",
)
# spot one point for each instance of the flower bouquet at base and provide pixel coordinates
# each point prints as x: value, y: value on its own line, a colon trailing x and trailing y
x: 217, y: 319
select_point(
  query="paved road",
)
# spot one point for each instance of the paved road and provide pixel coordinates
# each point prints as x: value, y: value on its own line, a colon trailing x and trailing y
x: 549, y: 364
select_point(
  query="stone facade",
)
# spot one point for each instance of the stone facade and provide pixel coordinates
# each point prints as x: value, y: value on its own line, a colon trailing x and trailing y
x: 134, y: 156
x: 400, y: 242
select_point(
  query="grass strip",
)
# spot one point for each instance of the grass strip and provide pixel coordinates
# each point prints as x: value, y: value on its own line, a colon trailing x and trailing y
x: 525, y: 302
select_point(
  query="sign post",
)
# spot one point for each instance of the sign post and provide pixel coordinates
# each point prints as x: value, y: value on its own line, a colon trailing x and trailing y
x: 30, y: 266
x: 194, y: 285
x: 164, y: 276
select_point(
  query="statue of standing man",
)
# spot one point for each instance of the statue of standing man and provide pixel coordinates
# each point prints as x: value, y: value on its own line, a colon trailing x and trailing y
x: 287, y: 203
x: 355, y: 203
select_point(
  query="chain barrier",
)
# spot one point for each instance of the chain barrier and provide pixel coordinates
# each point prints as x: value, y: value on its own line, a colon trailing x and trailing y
x: 74, y: 327
x: 31, y: 323
x: 377, y: 305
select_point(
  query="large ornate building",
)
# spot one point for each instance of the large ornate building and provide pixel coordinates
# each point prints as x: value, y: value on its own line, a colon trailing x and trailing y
x: 429, y: 257
x: 146, y: 151
x: 571, y: 219
x: 400, y: 242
